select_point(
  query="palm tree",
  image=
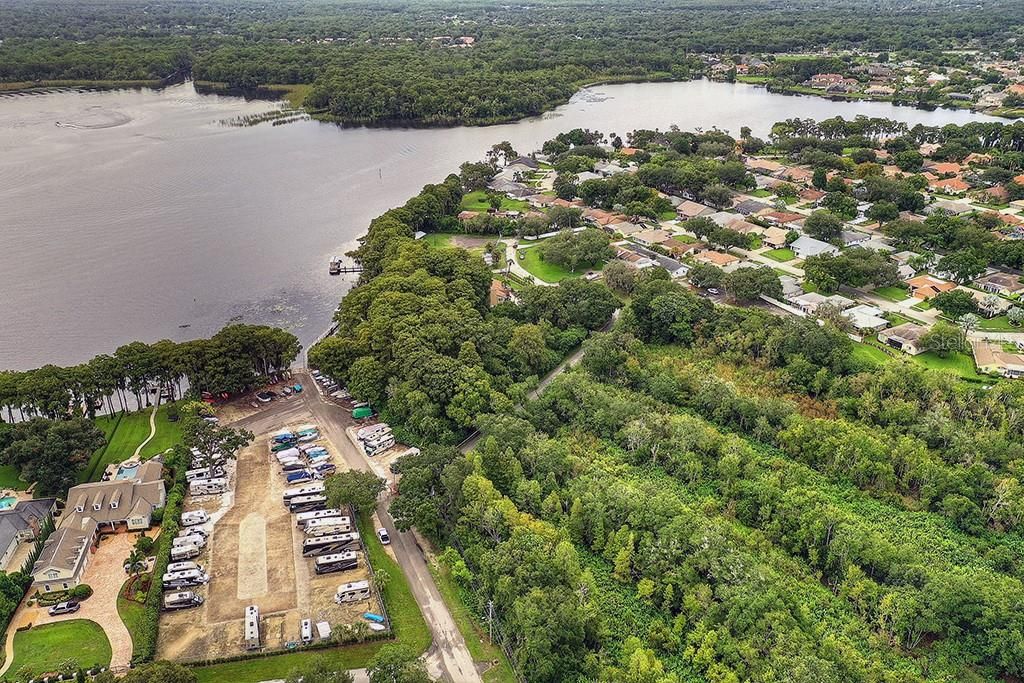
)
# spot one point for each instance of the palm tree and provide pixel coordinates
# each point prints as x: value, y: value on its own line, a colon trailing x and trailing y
x: 136, y: 563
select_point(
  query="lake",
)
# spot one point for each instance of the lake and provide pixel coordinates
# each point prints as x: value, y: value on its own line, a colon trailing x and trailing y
x: 138, y: 214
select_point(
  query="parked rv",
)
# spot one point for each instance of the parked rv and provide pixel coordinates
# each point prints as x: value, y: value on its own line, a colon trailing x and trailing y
x: 194, y: 517
x: 201, y: 487
x: 184, y: 552
x: 308, y: 490
x: 352, y: 592
x: 182, y: 600
x: 252, y: 627
x: 369, y: 431
x: 307, y: 503
x: 336, y: 562
x: 327, y: 545
x: 306, y: 631
x: 194, y: 531
x: 184, y: 579
x: 329, y: 526
x: 204, y: 473
x: 183, y: 566
x: 303, y: 518
x: 183, y: 541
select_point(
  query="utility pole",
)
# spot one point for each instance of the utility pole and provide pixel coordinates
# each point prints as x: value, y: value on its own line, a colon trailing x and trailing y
x: 490, y: 622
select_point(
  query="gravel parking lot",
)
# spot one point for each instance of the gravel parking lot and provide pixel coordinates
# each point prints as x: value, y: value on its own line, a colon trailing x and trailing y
x: 254, y: 557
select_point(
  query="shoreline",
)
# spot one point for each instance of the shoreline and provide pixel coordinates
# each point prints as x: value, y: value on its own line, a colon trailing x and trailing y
x: 295, y: 93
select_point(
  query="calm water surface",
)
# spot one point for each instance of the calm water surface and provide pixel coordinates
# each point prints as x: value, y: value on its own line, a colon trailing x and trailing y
x: 138, y: 215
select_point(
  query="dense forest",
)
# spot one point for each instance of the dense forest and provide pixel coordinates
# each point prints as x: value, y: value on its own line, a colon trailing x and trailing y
x: 405, y: 61
x: 724, y: 495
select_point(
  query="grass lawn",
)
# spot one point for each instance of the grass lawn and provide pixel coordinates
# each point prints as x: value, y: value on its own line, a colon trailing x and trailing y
x: 477, y: 201
x: 43, y: 648
x: 549, y: 272
x: 11, y: 479
x: 439, y: 239
x: 760, y: 193
x: 406, y: 621
x: 124, y: 432
x: 808, y: 286
x: 294, y: 93
x: 896, y: 318
x: 960, y: 363
x: 670, y: 215
x: 870, y: 354
x: 892, y: 293
x: 132, y: 613
x: 922, y: 306
x: 998, y: 323
x: 781, y: 255
x: 685, y: 239
x: 474, y: 633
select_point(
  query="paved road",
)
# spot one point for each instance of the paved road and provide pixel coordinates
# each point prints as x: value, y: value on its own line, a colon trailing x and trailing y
x: 448, y: 658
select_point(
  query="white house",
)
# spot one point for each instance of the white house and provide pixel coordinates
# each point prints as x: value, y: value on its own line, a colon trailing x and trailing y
x: 805, y: 246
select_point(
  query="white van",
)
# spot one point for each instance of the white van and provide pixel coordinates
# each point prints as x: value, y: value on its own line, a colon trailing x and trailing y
x: 182, y: 600
x: 352, y: 592
x: 194, y: 517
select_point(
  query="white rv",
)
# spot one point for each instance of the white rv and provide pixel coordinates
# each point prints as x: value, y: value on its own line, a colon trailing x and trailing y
x: 316, y: 488
x: 182, y: 600
x: 304, y: 518
x: 326, y: 526
x: 352, y: 592
x: 252, y: 627
x: 184, y: 552
x: 201, y: 487
x: 184, y: 579
x: 194, y: 517
x: 337, y: 562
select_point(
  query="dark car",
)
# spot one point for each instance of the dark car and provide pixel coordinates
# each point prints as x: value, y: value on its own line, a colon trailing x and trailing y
x: 67, y: 607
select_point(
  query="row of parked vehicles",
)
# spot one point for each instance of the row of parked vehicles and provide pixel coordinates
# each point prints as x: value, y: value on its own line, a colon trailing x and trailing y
x: 301, y: 459
x: 376, y: 438
x: 208, y: 474
x: 183, y: 575
x: 360, y: 410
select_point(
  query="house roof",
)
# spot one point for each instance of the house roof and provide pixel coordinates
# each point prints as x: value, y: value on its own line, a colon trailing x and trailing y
x: 908, y: 333
x: 693, y: 209
x: 746, y: 227
x: 774, y: 234
x: 652, y: 236
x: 716, y: 257
x: 64, y: 549
x: 811, y: 194
x: 928, y: 285
x: 24, y: 515
x: 1006, y: 281
x: 952, y: 184
x: 749, y: 206
x: 812, y: 247
x: 864, y: 317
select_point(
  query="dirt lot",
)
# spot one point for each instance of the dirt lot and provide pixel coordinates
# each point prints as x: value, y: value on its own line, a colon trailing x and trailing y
x: 254, y: 557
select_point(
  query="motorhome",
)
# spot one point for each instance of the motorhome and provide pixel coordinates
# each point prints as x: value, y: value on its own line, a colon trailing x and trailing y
x: 327, y: 545
x: 304, y: 518
x: 184, y: 552
x: 182, y: 600
x: 196, y: 531
x: 201, y: 487
x: 369, y: 431
x: 352, y: 592
x: 308, y: 490
x: 306, y: 631
x: 184, y: 579
x: 379, y: 446
x: 252, y: 627
x: 194, y: 517
x: 183, y: 566
x: 329, y: 526
x: 336, y: 562
x: 204, y: 473
x: 307, y: 503
x: 182, y: 541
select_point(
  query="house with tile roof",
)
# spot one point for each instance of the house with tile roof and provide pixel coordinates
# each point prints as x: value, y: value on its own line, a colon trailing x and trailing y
x: 22, y: 524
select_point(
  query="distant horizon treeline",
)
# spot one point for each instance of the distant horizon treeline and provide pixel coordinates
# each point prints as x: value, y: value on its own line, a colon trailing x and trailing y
x: 229, y: 361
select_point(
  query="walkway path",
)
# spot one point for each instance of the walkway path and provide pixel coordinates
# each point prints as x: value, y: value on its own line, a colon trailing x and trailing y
x: 510, y: 258
x: 152, y: 430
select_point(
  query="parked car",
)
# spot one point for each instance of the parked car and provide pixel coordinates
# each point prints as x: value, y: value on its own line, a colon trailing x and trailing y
x: 265, y: 397
x: 382, y: 534
x: 67, y: 607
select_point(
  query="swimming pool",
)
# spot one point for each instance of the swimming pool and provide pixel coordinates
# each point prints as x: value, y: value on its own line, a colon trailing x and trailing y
x: 7, y: 502
x: 127, y: 471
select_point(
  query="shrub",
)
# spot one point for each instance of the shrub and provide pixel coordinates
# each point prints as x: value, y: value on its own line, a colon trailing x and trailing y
x: 82, y: 591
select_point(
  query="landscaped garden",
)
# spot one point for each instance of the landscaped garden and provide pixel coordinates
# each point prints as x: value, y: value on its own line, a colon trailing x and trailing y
x: 131, y: 601
x: 74, y: 644
x: 125, y: 431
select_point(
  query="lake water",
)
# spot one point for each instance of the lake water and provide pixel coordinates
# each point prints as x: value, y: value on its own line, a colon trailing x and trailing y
x: 136, y: 214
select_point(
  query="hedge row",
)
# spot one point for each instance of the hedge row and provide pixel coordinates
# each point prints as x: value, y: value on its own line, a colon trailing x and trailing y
x: 145, y: 637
